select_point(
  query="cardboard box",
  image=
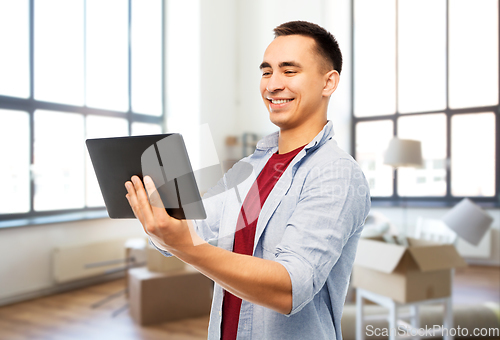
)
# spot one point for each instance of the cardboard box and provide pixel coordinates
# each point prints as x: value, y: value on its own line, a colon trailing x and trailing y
x: 135, y: 256
x: 157, y: 262
x: 159, y: 297
x: 420, y: 271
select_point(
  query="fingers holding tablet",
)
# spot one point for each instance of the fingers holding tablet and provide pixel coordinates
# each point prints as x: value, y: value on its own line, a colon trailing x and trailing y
x: 164, y: 229
x: 134, y: 202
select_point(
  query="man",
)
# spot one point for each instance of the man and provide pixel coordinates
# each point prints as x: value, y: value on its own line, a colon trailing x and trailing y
x: 284, y: 271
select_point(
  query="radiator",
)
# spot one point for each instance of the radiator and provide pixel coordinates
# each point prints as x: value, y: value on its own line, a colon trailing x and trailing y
x: 84, y: 261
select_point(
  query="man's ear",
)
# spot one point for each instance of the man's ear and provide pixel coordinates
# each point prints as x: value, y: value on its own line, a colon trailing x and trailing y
x: 332, y: 79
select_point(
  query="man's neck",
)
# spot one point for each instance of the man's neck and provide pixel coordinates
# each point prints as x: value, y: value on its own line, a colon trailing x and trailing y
x: 291, y: 139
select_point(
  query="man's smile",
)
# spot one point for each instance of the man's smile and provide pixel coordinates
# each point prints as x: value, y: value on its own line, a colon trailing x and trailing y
x: 279, y: 101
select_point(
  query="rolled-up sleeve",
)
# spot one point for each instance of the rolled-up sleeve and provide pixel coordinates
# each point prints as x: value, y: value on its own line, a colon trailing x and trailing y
x: 331, y: 206
x: 163, y: 251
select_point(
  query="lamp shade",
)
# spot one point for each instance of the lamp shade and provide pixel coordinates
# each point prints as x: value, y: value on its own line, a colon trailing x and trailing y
x: 404, y: 153
x: 468, y: 220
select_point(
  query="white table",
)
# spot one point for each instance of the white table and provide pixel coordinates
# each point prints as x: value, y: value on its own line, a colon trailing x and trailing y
x: 396, y: 319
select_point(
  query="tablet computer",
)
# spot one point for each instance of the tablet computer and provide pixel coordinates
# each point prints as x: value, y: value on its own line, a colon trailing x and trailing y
x: 162, y: 157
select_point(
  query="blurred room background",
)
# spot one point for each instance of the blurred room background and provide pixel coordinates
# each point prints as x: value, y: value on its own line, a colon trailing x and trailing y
x: 77, y: 69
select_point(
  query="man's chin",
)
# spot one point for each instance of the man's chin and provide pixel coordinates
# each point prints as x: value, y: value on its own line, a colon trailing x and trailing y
x: 277, y: 120
x: 283, y: 124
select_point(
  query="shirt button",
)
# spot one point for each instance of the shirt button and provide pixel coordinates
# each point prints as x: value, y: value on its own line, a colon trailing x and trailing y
x: 220, y: 313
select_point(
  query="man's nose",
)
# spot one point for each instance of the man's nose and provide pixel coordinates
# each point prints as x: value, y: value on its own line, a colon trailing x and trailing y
x: 275, y: 83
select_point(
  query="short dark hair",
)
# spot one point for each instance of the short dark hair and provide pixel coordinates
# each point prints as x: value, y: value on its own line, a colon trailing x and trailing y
x: 326, y: 44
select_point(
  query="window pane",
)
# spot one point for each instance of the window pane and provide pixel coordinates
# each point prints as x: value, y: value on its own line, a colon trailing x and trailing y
x: 145, y: 129
x: 14, y: 39
x: 374, y: 57
x: 100, y: 127
x: 372, y: 139
x: 422, y: 55
x: 107, y: 54
x: 59, y: 51
x: 473, y: 53
x: 15, y: 156
x: 473, y: 154
x: 147, y: 57
x: 59, y: 160
x: 431, y: 179
x: 104, y: 127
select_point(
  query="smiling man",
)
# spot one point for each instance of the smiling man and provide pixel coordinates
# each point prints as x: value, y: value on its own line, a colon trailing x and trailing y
x: 284, y: 270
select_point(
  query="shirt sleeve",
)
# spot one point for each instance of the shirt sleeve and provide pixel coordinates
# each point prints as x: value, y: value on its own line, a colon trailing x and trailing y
x: 332, y: 205
x: 161, y: 250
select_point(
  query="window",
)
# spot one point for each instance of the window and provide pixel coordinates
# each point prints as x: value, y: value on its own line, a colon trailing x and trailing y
x: 428, y: 70
x: 72, y: 70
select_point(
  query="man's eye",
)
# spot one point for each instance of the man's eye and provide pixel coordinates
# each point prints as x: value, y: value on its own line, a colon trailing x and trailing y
x: 265, y: 74
x: 290, y: 72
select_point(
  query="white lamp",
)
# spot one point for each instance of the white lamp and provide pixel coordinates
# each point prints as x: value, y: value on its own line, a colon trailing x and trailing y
x: 404, y: 153
x: 468, y: 220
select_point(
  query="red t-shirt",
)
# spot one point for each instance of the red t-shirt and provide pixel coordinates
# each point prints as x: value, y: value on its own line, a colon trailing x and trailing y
x: 245, y: 231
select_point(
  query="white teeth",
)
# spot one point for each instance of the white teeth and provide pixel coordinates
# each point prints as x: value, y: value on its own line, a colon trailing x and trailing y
x: 281, y: 101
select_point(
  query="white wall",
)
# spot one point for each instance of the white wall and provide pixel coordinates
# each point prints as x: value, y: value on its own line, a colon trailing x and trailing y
x: 339, y: 23
x: 26, y: 252
x: 219, y: 65
x: 182, y: 64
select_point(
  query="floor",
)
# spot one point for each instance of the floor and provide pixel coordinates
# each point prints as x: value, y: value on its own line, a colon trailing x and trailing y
x: 94, y: 313
x: 100, y: 312
x: 476, y: 284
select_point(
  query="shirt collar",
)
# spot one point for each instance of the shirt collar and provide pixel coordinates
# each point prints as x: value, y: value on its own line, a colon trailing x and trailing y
x: 271, y: 141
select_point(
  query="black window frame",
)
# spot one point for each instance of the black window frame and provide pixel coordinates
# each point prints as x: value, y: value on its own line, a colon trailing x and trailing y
x: 30, y: 105
x: 428, y: 201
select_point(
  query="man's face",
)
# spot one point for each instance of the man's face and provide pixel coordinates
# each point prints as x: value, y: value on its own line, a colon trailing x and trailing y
x: 292, y: 82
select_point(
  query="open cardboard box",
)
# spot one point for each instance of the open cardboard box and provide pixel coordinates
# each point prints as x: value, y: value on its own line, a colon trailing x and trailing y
x: 420, y: 271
